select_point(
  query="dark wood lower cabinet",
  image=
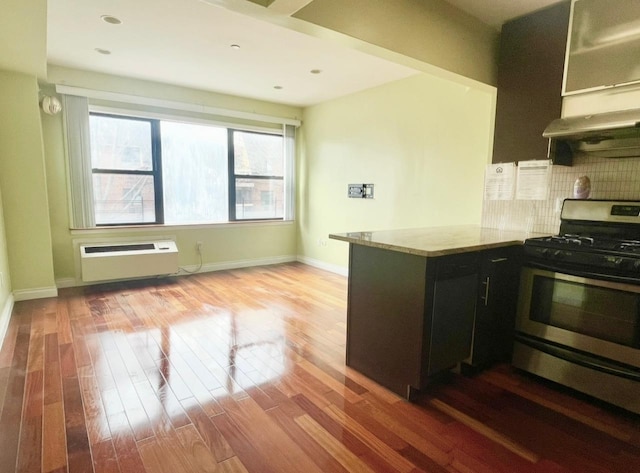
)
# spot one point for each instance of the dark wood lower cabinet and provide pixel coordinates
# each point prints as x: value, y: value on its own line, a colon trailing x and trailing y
x: 496, y: 308
x: 409, y: 317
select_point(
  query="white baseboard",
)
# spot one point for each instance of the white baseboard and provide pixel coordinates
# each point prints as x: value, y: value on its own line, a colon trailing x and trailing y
x: 5, y: 317
x: 333, y: 268
x: 35, y: 293
x: 67, y: 282
x: 206, y: 268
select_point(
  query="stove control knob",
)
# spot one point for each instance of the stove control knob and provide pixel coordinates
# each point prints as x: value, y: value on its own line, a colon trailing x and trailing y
x: 636, y: 265
x: 558, y: 254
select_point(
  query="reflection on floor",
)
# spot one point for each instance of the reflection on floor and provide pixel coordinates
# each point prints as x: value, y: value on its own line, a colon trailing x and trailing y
x: 244, y: 370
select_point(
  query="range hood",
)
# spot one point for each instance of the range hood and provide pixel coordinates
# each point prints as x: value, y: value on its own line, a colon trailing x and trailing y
x: 607, y: 135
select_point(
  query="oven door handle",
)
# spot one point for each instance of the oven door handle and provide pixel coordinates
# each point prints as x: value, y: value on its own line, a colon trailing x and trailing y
x: 585, y: 274
x: 591, y: 362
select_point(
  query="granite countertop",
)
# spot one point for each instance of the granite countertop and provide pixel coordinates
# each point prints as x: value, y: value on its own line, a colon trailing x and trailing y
x: 437, y: 241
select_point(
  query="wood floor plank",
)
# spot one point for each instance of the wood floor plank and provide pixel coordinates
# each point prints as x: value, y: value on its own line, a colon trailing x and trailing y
x: 428, y: 442
x: 314, y: 449
x: 63, y: 324
x: 232, y: 465
x: 207, y: 430
x: 95, y: 415
x: 334, y: 447
x: 154, y: 458
x: 393, y: 435
x: 382, y: 448
x: 243, y: 371
x: 104, y: 457
x: 242, y: 446
x: 486, y: 431
x: 31, y: 432
x: 30, y: 450
x: 54, y: 449
x: 273, y: 443
x: 580, y: 411
x: 10, y: 419
x: 36, y: 344
x: 124, y: 443
x: 9, y: 342
x: 201, y: 457
x: 356, y: 444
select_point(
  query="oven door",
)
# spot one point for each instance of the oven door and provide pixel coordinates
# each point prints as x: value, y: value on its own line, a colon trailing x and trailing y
x: 592, y: 317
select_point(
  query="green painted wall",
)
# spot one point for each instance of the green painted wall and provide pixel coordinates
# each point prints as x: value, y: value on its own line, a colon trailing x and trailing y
x: 222, y: 244
x: 422, y: 141
x: 432, y: 31
x: 23, y: 184
x: 23, y: 36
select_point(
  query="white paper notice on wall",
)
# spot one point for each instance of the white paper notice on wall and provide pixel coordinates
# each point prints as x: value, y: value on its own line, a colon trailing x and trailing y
x: 500, y: 181
x: 533, y: 179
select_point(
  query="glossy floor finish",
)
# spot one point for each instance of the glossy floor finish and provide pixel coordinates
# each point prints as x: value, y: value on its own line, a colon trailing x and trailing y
x: 244, y: 370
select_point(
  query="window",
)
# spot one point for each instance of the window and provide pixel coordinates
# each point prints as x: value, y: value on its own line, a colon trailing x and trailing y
x: 157, y: 171
x: 195, y: 175
x: 126, y: 171
x: 257, y: 183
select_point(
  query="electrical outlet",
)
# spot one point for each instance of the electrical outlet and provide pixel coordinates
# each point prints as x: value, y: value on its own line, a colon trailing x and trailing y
x: 198, y: 246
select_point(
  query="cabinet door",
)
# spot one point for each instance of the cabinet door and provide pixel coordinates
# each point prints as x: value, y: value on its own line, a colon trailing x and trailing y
x: 453, y: 307
x: 530, y: 70
x: 496, y: 310
x: 385, y: 316
x: 604, y: 45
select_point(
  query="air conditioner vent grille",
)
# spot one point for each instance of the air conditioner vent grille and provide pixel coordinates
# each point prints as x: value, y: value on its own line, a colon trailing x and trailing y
x: 109, y: 249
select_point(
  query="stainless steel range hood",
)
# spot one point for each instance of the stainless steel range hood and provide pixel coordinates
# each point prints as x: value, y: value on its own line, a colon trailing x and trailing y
x: 608, y: 135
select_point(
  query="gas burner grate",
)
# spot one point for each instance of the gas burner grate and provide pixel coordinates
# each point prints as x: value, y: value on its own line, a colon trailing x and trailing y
x: 570, y: 239
x: 629, y: 245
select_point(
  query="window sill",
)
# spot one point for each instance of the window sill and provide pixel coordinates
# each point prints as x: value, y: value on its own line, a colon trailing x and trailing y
x: 164, y: 228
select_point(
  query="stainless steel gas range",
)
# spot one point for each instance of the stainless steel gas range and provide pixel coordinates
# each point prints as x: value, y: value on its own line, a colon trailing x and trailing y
x: 578, y: 320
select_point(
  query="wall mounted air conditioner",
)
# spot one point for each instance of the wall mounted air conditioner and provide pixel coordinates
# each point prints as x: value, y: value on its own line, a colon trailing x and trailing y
x: 108, y: 261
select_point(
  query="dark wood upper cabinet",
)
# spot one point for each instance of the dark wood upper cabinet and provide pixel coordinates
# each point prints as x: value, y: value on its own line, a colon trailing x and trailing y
x: 530, y: 70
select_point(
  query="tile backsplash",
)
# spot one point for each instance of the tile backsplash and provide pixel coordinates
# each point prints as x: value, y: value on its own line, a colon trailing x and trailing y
x: 611, y: 178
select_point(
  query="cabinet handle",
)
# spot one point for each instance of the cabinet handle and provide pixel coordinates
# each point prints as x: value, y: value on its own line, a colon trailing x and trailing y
x: 486, y: 291
x: 499, y: 260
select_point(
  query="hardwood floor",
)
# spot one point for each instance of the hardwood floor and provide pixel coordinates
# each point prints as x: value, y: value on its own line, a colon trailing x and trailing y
x: 243, y: 371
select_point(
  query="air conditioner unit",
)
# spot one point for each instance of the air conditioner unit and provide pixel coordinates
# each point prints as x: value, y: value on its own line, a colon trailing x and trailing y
x: 108, y: 261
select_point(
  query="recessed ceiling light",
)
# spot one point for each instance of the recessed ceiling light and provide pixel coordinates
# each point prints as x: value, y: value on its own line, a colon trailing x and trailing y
x: 103, y: 51
x: 112, y: 20
x: 278, y: 87
x: 235, y: 46
x: 315, y: 71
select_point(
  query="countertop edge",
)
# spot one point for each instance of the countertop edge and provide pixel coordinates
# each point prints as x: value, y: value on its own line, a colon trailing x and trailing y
x: 498, y: 243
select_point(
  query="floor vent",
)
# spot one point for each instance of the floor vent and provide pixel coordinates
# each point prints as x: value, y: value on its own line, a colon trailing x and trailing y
x: 104, y: 262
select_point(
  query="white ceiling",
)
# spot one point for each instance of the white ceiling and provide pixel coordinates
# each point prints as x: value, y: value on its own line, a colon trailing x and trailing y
x: 188, y: 43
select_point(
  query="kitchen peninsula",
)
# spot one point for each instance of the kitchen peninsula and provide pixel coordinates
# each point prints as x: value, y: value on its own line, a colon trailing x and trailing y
x: 423, y: 300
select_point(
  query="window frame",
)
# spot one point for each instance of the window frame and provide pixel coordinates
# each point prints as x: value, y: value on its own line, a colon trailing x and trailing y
x: 156, y: 172
x: 233, y: 176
